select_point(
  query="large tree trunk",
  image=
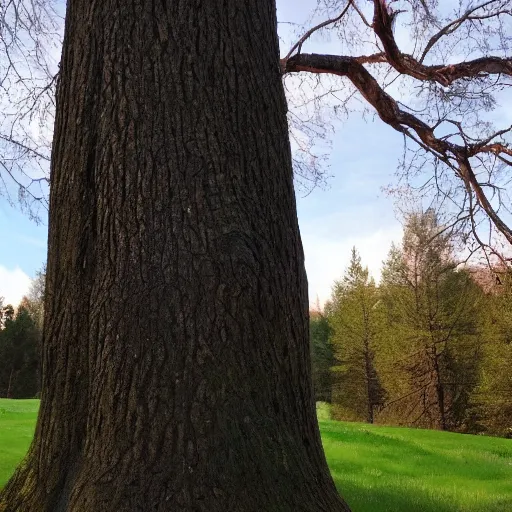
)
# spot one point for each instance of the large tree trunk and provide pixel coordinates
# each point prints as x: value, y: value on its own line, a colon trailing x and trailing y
x: 176, y: 359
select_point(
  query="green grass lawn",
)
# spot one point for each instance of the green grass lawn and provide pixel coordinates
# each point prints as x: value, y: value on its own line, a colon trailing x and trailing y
x: 377, y: 469
x: 17, y: 422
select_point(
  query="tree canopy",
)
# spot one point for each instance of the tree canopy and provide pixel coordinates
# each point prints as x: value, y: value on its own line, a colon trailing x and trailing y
x: 429, y: 345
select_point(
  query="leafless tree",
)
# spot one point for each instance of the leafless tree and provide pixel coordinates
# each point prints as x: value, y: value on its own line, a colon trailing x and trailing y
x: 436, y: 72
x: 30, y: 41
x: 441, y: 91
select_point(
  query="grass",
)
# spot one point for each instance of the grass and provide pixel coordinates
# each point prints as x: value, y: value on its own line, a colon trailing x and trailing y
x: 17, y: 423
x: 400, y: 469
x: 377, y: 469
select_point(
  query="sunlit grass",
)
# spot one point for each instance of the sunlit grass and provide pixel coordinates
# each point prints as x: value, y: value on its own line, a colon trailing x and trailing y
x: 377, y: 469
x: 17, y: 423
x: 399, y: 469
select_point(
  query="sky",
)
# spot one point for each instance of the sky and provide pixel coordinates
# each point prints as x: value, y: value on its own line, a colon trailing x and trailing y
x: 351, y: 210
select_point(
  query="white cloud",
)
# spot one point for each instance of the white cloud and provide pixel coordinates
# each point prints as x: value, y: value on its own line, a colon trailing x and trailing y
x: 13, y: 285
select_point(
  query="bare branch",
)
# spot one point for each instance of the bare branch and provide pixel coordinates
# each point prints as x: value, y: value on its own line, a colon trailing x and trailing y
x: 451, y: 27
x: 383, y: 20
x: 298, y: 45
x: 454, y: 155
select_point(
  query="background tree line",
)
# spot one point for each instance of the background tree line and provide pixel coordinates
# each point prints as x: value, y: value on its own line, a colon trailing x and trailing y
x: 430, y: 346
x: 20, y: 337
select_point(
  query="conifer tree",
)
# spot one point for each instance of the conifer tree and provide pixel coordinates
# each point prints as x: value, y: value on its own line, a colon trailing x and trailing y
x: 354, y: 317
x: 433, y: 331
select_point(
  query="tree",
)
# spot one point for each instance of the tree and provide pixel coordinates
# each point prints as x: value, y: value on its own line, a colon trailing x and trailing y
x: 354, y: 319
x: 120, y: 228
x: 321, y: 355
x: 7, y: 314
x: 19, y: 355
x: 171, y: 183
x: 492, y: 398
x: 436, y: 91
x: 430, y: 70
x: 433, y: 323
x: 35, y: 300
x: 20, y: 339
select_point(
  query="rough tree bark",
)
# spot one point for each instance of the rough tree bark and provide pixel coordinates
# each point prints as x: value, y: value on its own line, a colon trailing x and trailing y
x: 176, y: 372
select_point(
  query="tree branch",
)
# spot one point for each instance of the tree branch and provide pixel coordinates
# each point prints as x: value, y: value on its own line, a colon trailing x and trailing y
x: 455, y: 24
x: 454, y: 155
x: 298, y: 45
x: 443, y: 74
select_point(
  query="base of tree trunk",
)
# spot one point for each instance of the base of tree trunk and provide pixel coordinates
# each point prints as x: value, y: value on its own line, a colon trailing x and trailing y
x: 241, y: 488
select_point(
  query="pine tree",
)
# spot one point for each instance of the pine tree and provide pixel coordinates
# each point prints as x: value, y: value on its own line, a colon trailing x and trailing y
x: 354, y: 319
x: 433, y: 336
x: 19, y: 344
x: 322, y: 358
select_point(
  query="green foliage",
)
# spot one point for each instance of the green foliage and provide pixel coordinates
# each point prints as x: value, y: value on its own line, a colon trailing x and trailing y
x: 493, y: 396
x: 19, y: 353
x: 20, y: 337
x: 321, y: 356
x: 433, y: 332
x: 430, y: 346
x: 323, y: 411
x: 354, y: 319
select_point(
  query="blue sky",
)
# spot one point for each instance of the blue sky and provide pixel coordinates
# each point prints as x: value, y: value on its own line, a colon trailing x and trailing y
x: 351, y: 210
